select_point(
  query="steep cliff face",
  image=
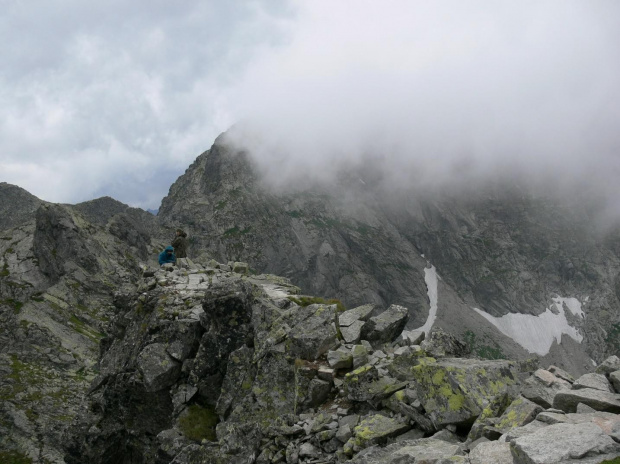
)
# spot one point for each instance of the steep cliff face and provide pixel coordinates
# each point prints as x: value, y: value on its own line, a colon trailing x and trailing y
x: 59, y: 272
x: 497, y: 251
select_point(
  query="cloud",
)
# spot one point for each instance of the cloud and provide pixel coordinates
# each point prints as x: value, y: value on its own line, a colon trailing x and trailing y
x: 117, y: 98
x: 441, y: 92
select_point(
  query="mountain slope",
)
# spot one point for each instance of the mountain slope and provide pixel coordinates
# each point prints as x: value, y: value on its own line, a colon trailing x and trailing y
x: 501, y: 250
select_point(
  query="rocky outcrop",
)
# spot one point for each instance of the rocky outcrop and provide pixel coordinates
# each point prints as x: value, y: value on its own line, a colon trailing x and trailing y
x: 228, y: 377
x: 58, y: 276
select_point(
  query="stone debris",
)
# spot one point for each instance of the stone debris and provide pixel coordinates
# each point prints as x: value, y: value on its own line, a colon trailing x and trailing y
x: 593, y: 380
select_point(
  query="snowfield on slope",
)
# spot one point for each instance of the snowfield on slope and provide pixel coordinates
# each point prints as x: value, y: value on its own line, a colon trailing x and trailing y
x: 537, y: 333
x: 430, y: 277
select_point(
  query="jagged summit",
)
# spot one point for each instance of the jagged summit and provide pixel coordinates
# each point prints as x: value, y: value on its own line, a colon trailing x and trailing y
x: 17, y: 205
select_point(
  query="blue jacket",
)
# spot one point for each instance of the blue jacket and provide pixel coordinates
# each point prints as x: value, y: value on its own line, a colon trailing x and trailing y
x: 165, y: 257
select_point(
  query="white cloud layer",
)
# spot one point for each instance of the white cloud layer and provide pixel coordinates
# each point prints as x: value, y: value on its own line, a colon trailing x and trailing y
x: 443, y: 91
x: 117, y: 98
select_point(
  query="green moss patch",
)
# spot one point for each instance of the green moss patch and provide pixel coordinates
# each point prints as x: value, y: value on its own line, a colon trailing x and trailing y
x: 199, y: 423
x: 13, y: 457
x: 16, y: 305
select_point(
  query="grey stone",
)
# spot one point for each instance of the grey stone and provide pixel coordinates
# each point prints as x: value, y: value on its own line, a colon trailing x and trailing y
x: 606, y: 421
x: 386, y: 326
x: 446, y: 435
x: 344, y: 433
x: 412, y: 337
x: 521, y: 431
x: 475, y: 443
x: 567, y: 400
x: 307, y: 450
x: 551, y: 417
x: 353, y: 332
x: 314, y: 335
x: 593, y: 380
x: 318, y: 392
x: 453, y: 392
x: 520, y: 412
x: 413, y: 434
x: 539, y: 394
x: 615, y: 432
x: 584, y: 409
x: 562, y: 442
x: 365, y: 384
x: 562, y: 374
x: 491, y: 452
x: 360, y: 355
x: 608, y: 366
x: 361, y: 313
x: 424, y: 450
x: 340, y: 359
x: 614, y: 378
x: 240, y: 268
x: 373, y: 430
x: 158, y: 368
x: 326, y: 373
x: 183, y: 395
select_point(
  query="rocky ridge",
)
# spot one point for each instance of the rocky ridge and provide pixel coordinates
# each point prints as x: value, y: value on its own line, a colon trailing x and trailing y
x: 208, y: 364
x: 502, y: 249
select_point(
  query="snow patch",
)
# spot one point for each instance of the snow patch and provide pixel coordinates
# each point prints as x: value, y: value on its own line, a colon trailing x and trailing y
x: 430, y: 277
x: 537, y: 333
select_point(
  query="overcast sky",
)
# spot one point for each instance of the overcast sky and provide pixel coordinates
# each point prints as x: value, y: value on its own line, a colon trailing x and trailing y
x: 118, y: 98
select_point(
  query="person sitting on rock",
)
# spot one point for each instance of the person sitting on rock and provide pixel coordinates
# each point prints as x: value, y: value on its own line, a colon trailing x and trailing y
x: 167, y: 256
x: 180, y: 244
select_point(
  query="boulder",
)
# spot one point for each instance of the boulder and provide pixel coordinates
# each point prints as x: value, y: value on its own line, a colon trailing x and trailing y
x: 353, y: 332
x: 491, y: 452
x: 614, y: 378
x: 159, y: 370
x: 441, y: 344
x: 340, y: 359
x: 360, y: 355
x: 542, y: 386
x: 608, y: 366
x: 604, y: 420
x: 455, y: 391
x: 424, y: 450
x: 560, y: 443
x: 359, y: 314
x: 562, y: 374
x: 412, y: 337
x: 315, y: 334
x: 593, y: 380
x: 365, y: 384
x: 374, y: 430
x: 386, y: 326
x: 240, y: 268
x: 517, y: 432
x: 567, y: 400
x: 520, y: 412
x: 237, y: 383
